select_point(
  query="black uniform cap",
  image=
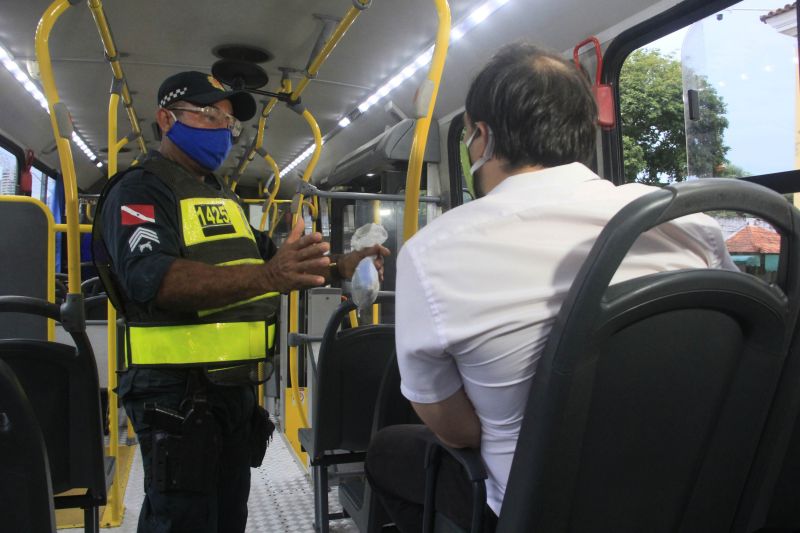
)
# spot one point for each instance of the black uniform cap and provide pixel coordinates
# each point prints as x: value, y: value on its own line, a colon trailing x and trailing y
x: 203, y: 89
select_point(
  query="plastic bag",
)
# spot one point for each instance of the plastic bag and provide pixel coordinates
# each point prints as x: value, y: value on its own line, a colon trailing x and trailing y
x: 365, y: 284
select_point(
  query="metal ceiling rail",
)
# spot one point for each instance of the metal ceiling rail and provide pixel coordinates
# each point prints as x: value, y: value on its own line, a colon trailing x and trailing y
x: 310, y: 73
x: 311, y: 190
x: 426, y: 98
x: 112, y: 56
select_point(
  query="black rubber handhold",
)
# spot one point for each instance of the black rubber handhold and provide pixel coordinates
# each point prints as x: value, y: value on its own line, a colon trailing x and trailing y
x: 242, y: 52
x: 239, y: 74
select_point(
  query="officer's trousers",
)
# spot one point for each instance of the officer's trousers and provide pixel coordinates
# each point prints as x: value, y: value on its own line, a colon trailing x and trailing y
x: 223, y: 507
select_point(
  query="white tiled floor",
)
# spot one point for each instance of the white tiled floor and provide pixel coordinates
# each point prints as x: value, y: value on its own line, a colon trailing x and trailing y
x: 281, y: 497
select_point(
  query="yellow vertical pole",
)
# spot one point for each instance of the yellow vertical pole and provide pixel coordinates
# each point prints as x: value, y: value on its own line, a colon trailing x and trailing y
x: 294, y: 296
x: 376, y: 218
x: 411, y: 213
x: 42, y: 44
x: 275, y: 186
x: 115, y: 496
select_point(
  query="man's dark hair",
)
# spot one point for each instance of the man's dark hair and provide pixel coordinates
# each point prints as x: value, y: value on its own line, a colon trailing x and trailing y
x: 539, y: 106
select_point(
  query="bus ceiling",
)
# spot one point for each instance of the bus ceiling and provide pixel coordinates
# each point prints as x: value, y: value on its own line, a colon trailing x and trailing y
x: 155, y: 39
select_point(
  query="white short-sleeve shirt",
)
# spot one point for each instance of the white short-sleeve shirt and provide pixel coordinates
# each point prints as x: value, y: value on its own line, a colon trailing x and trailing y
x: 479, y: 287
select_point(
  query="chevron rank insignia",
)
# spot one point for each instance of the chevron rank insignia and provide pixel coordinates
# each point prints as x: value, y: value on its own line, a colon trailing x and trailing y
x: 143, y: 239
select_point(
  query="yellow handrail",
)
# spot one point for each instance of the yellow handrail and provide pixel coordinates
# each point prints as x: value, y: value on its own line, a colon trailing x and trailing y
x: 376, y: 219
x: 344, y: 25
x: 273, y: 221
x: 311, y: 207
x: 115, y: 497
x: 64, y: 228
x: 411, y: 212
x: 112, y: 54
x: 276, y: 185
x: 42, y: 42
x: 265, y: 212
x: 294, y: 296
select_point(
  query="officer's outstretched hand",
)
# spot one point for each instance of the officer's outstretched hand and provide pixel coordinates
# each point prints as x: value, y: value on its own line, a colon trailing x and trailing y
x: 347, y: 263
x: 299, y: 263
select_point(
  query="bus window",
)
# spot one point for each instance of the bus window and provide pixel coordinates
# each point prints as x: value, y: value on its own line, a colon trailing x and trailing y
x: 52, y: 202
x: 38, y: 184
x: 706, y: 102
x: 9, y: 172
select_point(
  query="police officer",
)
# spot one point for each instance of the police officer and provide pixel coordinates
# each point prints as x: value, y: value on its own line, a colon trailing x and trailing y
x: 197, y: 287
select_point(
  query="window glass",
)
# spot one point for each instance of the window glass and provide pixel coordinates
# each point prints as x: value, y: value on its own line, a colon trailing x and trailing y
x: 706, y: 101
x: 718, y: 98
x: 8, y: 172
x: 754, y: 244
x: 38, y: 184
x: 51, y: 195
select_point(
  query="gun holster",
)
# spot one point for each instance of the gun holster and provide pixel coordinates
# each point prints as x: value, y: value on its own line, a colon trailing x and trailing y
x: 261, y: 429
x: 185, y: 447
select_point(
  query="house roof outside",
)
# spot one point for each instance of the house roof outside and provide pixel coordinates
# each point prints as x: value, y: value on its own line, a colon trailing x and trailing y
x: 754, y: 239
x: 779, y: 11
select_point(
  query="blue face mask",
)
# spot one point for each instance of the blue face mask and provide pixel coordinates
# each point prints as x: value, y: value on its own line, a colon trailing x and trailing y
x: 207, y: 147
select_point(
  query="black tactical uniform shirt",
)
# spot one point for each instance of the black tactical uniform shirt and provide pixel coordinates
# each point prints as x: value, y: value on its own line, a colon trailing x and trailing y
x: 141, y: 231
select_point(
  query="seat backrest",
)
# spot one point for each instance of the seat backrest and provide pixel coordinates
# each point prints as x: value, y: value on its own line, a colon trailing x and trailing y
x: 391, y: 407
x: 26, y: 261
x: 649, y: 402
x: 783, y: 504
x: 351, y: 365
x: 26, y: 496
x: 62, y: 386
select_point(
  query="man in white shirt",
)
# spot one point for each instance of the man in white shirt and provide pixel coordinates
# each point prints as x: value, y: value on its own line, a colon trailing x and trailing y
x: 478, y: 289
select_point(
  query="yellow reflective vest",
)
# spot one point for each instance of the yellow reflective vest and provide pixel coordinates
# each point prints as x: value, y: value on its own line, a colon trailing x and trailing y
x: 213, y: 230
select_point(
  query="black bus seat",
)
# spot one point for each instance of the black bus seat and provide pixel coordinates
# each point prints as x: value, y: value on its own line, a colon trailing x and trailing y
x: 783, y: 510
x: 92, y: 287
x: 355, y: 494
x: 61, y: 383
x: 26, y: 261
x: 651, y: 400
x: 96, y: 307
x: 349, y: 370
x: 26, y: 496
x: 778, y: 503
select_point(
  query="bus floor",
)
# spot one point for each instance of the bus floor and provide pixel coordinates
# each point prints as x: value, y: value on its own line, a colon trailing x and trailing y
x: 281, y: 496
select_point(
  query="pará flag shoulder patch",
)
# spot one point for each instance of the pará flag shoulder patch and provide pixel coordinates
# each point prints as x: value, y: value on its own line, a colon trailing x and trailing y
x: 133, y: 214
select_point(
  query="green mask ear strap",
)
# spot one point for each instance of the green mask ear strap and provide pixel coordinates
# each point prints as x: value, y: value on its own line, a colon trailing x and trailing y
x: 469, y: 180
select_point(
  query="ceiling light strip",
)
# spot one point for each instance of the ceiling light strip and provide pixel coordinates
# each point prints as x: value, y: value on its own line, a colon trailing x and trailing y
x: 478, y: 15
x: 28, y: 84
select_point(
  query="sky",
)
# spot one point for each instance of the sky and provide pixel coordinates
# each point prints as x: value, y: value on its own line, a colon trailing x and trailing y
x: 754, y: 69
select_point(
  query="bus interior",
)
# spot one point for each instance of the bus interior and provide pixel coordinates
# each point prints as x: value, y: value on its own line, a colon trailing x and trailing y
x: 359, y: 117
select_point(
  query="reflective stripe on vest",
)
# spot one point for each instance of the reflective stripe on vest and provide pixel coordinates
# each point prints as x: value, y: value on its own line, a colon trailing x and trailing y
x: 217, y: 343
